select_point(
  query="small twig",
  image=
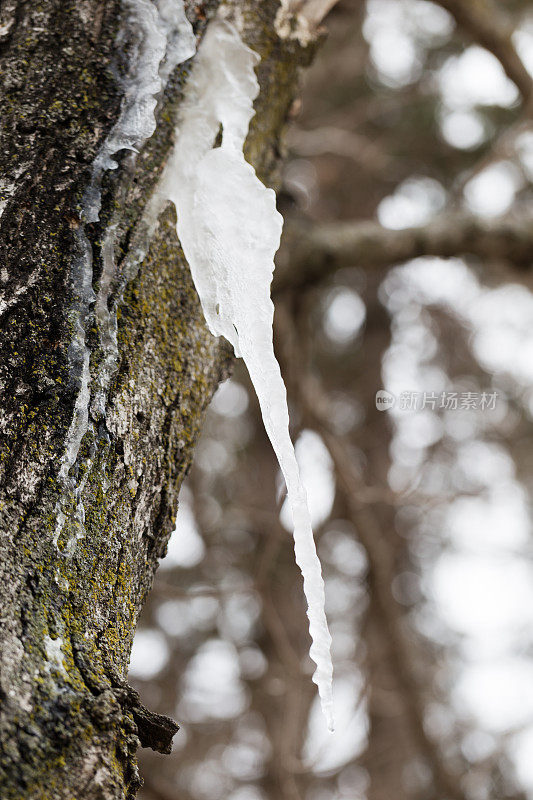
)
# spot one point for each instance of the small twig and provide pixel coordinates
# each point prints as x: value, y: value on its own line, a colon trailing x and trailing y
x: 366, y: 153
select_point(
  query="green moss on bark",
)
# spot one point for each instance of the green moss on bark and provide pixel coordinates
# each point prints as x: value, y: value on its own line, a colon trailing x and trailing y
x: 69, y: 726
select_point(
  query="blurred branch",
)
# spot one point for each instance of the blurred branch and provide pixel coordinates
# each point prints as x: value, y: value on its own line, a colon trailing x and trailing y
x: 329, y: 139
x: 178, y: 592
x: 316, y: 252
x: 503, y: 147
x: 286, y: 651
x: 487, y: 26
x: 381, y: 566
x: 315, y: 407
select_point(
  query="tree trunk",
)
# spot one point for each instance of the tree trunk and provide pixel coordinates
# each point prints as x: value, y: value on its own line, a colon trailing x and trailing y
x: 93, y: 452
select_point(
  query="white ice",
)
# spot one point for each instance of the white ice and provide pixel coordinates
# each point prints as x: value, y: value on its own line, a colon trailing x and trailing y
x: 54, y: 654
x: 230, y: 229
x: 162, y: 38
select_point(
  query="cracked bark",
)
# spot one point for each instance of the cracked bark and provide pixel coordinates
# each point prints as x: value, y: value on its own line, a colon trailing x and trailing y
x: 69, y: 724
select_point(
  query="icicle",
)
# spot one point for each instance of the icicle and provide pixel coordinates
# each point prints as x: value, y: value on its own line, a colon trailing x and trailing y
x: 230, y: 229
x: 181, y: 41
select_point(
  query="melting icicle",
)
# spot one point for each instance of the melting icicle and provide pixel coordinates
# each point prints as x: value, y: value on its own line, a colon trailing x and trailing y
x: 230, y: 230
x: 181, y: 41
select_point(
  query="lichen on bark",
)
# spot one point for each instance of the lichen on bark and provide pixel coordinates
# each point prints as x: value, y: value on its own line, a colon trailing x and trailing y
x: 69, y: 724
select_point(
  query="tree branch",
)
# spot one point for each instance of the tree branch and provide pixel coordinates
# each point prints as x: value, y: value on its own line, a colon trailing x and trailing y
x: 317, y: 252
x: 315, y: 407
x: 315, y: 10
x: 487, y: 26
x: 329, y: 139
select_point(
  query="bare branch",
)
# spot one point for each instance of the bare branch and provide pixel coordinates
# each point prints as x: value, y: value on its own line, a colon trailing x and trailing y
x: 315, y: 405
x: 329, y: 139
x: 487, y: 26
x: 503, y: 147
x: 315, y: 10
x: 300, y: 19
x: 317, y: 252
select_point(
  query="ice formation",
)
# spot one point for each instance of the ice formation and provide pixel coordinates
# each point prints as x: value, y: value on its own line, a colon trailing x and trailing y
x: 229, y: 229
x: 54, y: 654
x: 79, y: 353
x: 163, y: 38
x: 79, y: 358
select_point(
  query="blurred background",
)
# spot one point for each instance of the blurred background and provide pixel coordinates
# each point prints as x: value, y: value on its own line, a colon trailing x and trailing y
x: 405, y: 267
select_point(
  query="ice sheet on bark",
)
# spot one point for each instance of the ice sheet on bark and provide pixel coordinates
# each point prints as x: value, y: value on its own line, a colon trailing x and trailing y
x: 162, y: 38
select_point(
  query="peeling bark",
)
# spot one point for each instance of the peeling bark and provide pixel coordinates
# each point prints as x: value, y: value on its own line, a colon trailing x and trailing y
x: 79, y: 545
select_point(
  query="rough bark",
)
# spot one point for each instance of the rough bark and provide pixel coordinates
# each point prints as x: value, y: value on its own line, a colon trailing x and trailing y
x: 69, y: 724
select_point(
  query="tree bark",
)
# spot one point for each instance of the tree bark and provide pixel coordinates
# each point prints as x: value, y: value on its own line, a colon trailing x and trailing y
x: 79, y: 543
